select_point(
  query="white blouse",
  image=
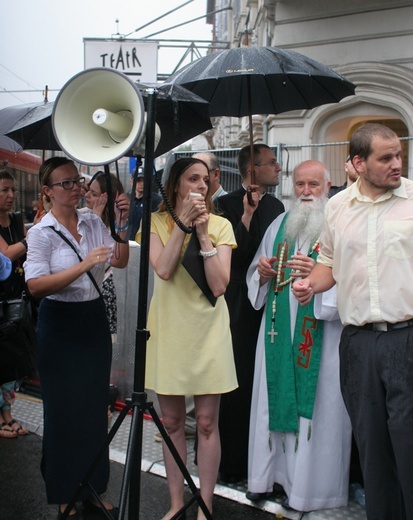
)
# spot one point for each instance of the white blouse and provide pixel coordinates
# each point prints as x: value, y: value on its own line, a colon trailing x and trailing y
x: 48, y: 253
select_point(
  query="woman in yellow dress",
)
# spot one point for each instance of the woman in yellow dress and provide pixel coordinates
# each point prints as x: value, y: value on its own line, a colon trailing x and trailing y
x: 190, y: 350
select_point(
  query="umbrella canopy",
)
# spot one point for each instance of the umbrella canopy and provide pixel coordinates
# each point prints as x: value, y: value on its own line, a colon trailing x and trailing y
x: 8, y: 144
x: 28, y: 125
x: 181, y: 115
x: 261, y: 80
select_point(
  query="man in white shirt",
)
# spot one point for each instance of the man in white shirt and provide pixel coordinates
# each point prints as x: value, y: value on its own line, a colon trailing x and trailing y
x: 367, y: 250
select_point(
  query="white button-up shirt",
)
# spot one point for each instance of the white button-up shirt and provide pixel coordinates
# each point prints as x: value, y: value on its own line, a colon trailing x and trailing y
x: 48, y: 253
x: 369, y: 246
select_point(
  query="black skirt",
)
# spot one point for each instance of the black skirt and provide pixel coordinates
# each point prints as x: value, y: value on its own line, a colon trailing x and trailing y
x: 74, y: 367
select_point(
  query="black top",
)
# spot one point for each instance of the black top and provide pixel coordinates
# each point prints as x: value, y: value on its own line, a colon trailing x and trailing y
x: 336, y: 189
x: 14, y: 285
x: 231, y: 207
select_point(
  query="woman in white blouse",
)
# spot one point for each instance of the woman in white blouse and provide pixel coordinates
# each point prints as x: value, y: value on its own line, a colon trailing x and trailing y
x: 73, y: 332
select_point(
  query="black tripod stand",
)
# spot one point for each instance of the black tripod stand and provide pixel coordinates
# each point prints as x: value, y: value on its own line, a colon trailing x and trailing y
x: 138, y: 401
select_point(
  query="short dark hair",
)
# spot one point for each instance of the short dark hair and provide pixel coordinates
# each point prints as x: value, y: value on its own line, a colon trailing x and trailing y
x: 244, y: 157
x: 360, y: 141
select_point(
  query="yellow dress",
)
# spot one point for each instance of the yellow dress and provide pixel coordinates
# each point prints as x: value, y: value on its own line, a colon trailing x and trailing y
x: 189, y: 351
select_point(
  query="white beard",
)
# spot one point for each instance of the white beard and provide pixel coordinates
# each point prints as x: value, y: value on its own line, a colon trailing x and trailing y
x: 305, y: 219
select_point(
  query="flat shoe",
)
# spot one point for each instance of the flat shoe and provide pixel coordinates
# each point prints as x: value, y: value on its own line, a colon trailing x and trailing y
x: 94, y: 508
x: 278, y: 491
x: 286, y: 505
x: 6, y: 432
x: 256, y: 497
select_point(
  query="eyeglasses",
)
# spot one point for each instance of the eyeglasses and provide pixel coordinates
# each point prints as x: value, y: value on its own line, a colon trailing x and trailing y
x: 272, y: 163
x: 68, y: 185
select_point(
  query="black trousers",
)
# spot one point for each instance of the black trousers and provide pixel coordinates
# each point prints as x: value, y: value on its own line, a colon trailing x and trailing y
x: 376, y: 375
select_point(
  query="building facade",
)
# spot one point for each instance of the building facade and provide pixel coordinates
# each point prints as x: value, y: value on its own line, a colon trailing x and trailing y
x: 368, y: 42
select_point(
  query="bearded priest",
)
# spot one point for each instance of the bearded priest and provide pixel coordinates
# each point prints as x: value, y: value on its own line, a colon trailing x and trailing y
x: 300, y: 433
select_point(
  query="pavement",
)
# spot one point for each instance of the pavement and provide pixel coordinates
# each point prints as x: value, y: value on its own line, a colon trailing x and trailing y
x: 23, y: 496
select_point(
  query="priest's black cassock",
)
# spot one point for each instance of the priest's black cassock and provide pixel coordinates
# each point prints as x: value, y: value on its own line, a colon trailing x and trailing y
x: 234, y: 414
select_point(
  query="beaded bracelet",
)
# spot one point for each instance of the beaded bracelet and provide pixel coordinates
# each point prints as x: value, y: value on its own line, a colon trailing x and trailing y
x: 208, y: 254
x: 122, y: 228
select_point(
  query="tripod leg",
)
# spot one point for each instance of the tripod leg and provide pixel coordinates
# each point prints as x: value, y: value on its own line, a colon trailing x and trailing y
x: 132, y: 474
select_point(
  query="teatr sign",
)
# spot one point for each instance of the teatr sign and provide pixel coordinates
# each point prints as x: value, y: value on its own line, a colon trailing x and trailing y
x: 135, y: 58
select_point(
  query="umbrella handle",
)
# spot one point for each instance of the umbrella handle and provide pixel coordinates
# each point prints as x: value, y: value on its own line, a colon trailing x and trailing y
x: 251, y: 202
x: 252, y: 174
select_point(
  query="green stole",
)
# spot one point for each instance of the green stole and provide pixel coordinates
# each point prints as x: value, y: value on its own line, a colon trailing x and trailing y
x: 292, y: 366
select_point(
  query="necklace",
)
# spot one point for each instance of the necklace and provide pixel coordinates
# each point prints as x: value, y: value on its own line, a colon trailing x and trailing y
x: 279, y: 284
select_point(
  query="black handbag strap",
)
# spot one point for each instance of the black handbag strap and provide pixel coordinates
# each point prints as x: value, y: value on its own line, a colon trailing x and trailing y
x: 68, y: 242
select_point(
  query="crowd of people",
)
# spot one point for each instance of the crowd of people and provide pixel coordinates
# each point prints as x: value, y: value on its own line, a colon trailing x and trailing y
x: 296, y: 338
x: 13, y: 245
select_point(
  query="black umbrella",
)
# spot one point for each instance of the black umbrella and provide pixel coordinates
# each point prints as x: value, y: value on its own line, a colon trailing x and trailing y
x: 261, y: 80
x: 8, y: 144
x: 29, y: 125
x: 276, y: 80
x: 181, y: 115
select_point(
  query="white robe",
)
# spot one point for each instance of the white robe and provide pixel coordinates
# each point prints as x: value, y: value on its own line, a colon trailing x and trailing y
x: 316, y: 476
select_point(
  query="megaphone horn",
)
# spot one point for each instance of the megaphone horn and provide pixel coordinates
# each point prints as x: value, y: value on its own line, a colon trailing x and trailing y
x: 98, y: 116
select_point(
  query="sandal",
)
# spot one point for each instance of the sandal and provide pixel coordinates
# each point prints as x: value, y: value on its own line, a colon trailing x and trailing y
x: 19, y: 429
x: 74, y: 514
x: 6, y: 432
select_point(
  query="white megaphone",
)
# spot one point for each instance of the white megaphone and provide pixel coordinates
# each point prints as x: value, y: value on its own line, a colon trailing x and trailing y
x: 98, y: 116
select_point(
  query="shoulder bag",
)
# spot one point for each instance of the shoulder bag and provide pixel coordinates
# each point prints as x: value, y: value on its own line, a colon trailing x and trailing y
x: 18, y: 343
